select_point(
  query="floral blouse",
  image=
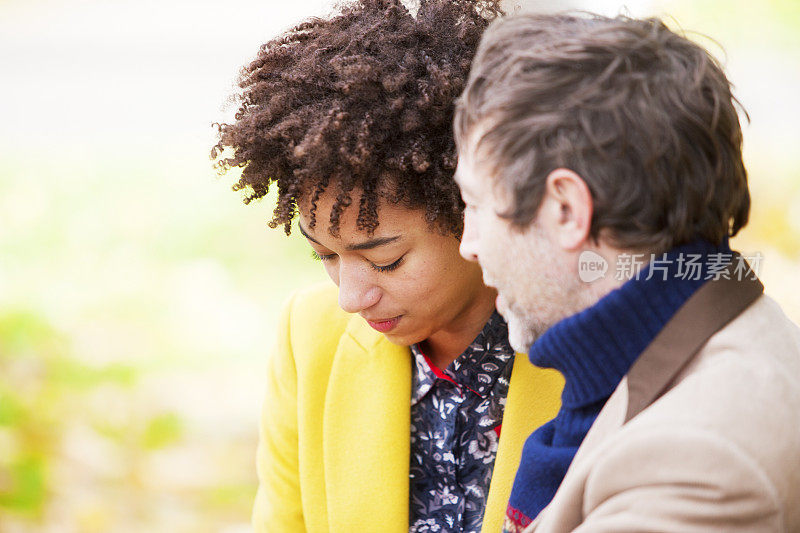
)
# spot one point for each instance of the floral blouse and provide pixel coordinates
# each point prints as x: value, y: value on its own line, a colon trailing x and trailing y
x: 456, y: 414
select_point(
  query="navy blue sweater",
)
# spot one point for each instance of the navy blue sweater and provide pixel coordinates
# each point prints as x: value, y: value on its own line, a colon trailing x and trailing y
x: 594, y: 349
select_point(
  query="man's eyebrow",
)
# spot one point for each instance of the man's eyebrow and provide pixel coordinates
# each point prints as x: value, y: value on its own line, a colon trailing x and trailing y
x: 366, y: 245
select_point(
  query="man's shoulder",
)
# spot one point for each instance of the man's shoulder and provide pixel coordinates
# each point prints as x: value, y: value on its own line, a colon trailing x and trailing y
x: 755, y: 357
x: 732, y: 405
x: 744, y: 383
x: 762, y: 330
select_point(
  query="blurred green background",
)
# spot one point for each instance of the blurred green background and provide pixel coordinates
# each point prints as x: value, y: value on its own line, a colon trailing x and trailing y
x: 138, y: 296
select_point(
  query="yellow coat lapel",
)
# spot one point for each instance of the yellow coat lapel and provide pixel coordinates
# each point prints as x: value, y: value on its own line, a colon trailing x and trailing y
x: 366, y: 430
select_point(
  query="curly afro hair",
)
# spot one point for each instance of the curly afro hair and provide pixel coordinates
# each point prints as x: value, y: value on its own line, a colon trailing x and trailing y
x: 363, y: 100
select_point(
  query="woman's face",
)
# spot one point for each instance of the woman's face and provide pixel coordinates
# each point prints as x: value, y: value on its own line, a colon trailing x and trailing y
x: 407, y: 280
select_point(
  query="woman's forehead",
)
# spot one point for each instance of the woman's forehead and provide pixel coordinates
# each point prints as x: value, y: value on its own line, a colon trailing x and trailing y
x: 392, y: 218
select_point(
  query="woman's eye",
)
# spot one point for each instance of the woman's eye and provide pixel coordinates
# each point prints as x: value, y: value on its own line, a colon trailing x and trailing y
x: 388, y: 268
x: 322, y: 257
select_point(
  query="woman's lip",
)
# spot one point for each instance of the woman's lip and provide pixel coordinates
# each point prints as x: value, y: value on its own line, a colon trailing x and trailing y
x: 384, y: 325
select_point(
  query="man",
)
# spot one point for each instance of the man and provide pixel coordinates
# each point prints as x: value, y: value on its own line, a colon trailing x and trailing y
x: 600, y: 161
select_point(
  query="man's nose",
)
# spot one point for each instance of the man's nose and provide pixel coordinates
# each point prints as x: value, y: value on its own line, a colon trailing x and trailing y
x: 356, y: 289
x: 469, y: 238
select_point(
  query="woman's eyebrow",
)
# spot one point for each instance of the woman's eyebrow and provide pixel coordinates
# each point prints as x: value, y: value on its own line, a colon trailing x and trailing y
x: 306, y: 235
x: 366, y: 245
x: 372, y: 243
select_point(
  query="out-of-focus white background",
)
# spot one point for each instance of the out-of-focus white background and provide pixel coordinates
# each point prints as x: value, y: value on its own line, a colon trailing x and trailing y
x: 138, y: 296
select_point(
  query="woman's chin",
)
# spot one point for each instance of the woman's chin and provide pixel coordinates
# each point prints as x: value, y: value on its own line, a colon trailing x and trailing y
x: 404, y: 338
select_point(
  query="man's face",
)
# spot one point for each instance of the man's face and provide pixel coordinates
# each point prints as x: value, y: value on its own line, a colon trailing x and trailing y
x: 535, y: 285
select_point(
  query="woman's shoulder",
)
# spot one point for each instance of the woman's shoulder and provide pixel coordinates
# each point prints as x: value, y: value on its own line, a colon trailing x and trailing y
x: 318, y: 298
x: 314, y: 312
x: 312, y: 328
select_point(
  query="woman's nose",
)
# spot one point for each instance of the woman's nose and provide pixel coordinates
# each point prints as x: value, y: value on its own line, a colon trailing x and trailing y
x: 357, y: 291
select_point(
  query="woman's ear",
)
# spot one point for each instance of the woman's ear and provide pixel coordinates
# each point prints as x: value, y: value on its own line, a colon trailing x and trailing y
x: 567, y: 208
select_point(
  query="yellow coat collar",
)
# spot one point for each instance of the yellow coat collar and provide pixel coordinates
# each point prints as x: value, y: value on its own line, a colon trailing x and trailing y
x: 367, y: 427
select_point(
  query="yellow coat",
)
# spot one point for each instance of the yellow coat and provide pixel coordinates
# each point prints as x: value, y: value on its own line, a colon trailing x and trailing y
x: 335, y: 431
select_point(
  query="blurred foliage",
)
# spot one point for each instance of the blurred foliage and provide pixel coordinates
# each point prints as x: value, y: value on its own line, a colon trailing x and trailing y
x: 162, y: 431
x: 56, y: 436
x: 40, y: 388
x: 774, y: 21
x: 133, y: 328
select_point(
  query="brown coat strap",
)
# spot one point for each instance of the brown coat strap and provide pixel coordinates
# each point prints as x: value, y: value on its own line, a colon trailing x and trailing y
x: 707, y: 311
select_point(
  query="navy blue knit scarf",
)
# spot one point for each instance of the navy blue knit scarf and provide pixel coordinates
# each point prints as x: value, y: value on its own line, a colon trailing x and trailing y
x: 594, y: 349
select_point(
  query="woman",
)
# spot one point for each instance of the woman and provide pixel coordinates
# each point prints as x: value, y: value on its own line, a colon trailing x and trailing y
x: 385, y: 403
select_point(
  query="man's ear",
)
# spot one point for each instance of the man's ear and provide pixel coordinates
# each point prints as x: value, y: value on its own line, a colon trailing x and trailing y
x: 567, y: 208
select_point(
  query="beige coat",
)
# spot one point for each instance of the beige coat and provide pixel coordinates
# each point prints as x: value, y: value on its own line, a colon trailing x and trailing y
x: 703, y: 434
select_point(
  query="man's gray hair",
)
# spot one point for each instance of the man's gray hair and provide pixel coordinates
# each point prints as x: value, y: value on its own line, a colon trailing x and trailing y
x: 645, y: 116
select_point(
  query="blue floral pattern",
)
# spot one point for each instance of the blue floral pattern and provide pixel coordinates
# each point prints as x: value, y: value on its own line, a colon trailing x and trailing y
x: 456, y: 415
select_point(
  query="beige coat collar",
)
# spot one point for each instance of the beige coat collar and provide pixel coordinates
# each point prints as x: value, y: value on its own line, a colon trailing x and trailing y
x: 707, y: 311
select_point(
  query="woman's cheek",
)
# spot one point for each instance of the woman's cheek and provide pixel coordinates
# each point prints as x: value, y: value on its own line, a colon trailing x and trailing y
x: 333, y: 271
